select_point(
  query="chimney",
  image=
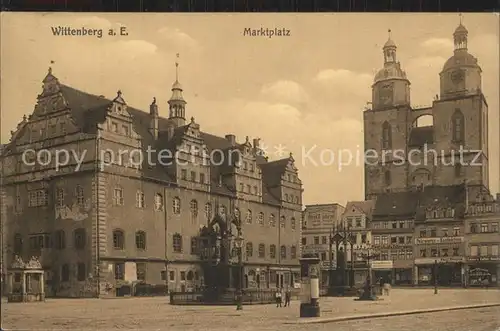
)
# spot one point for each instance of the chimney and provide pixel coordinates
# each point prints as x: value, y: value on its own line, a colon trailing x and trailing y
x: 231, y: 138
x: 153, y: 112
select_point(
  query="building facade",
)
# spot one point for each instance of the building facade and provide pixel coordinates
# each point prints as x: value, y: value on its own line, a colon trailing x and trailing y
x: 482, y: 239
x: 135, y: 194
x: 319, y: 222
x: 422, y: 176
x: 356, y: 219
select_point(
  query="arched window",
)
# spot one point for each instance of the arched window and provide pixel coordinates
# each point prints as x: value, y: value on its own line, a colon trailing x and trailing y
x: 158, y: 202
x: 190, y: 275
x: 118, y: 239
x: 249, y: 216
x: 139, y: 199
x: 177, y: 243
x: 261, y: 218
x: 458, y: 127
x: 272, y: 251
x: 60, y: 197
x: 65, y: 272
x: 208, y: 211
x: 386, y: 136
x: 283, y: 252
x: 18, y: 244
x: 79, y: 236
x: 60, y: 239
x: 272, y: 220
x: 193, y: 206
x: 140, y: 240
x: 282, y: 221
x: 262, y: 250
x: 293, y: 223
x: 387, y: 178
x: 176, y: 205
x: 249, y: 249
x: 293, y: 252
x: 80, y: 198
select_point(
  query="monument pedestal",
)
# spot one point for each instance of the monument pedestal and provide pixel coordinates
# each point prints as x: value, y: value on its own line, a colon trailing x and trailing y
x: 309, y: 310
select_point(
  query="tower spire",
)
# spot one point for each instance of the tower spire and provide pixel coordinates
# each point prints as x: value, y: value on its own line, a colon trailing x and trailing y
x: 177, y: 67
x: 389, y: 49
x: 460, y: 35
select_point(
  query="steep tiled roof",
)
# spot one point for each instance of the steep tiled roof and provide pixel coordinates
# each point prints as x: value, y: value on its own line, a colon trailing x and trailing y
x: 365, y: 207
x: 408, y: 204
x: 421, y: 136
x: 88, y: 110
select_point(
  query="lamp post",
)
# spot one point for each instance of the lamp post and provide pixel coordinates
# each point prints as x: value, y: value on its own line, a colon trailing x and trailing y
x: 435, y: 277
x: 238, y: 241
x: 368, y: 290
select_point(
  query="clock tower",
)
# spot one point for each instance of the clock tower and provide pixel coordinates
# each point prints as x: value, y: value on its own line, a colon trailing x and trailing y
x: 391, y: 87
x: 461, y: 74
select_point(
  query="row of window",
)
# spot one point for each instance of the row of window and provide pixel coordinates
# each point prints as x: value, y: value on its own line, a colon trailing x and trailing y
x: 66, y: 272
x: 37, y: 198
x: 444, y: 232
x: 443, y: 252
x: 52, y: 131
x: 491, y: 227
x: 183, y: 275
x: 392, y: 240
x: 56, y: 240
x: 194, y: 176
x: 325, y: 240
x: 124, y: 129
x: 385, y: 255
x: 484, y: 250
x: 119, y: 240
x: 392, y: 225
x: 354, y: 221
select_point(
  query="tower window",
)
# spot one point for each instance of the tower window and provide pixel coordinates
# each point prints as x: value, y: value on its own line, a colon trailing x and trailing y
x: 386, y: 136
x: 387, y: 177
x: 457, y: 124
x: 458, y: 170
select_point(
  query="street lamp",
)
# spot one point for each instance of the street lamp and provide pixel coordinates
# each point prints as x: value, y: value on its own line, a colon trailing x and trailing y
x: 435, y: 274
x: 368, y: 290
x: 238, y: 242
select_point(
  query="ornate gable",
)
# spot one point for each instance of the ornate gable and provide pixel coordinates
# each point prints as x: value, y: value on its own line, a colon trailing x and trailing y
x: 193, y: 129
x: 118, y: 106
x: 291, y: 164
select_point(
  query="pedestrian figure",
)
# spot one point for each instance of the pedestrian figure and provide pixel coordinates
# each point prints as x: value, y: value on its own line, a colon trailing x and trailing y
x: 278, y: 298
x: 381, y: 286
x: 387, y: 288
x: 288, y: 295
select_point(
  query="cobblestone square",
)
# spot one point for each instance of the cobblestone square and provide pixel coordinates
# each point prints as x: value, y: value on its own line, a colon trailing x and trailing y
x: 157, y: 314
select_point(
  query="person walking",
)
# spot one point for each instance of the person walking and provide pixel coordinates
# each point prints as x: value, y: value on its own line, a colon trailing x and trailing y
x: 387, y: 288
x: 381, y: 286
x: 278, y: 298
x: 288, y: 295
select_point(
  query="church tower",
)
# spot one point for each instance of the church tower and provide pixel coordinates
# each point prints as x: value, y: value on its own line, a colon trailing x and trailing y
x: 177, y: 104
x: 386, y: 125
x: 390, y: 88
x: 461, y: 120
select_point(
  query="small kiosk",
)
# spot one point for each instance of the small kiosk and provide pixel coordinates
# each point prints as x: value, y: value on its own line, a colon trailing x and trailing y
x: 25, y: 281
x: 309, y: 274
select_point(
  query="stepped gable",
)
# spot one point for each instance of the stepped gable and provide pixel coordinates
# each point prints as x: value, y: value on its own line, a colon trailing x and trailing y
x: 89, y: 110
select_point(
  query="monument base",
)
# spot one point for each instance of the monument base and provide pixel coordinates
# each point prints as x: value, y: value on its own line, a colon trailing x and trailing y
x: 309, y: 310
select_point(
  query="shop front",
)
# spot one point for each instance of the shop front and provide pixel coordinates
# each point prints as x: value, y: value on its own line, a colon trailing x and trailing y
x: 382, y: 269
x: 446, y: 271
x: 402, y: 272
x: 483, y: 271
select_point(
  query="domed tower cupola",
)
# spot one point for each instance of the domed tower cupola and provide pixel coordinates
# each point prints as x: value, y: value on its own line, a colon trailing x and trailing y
x: 461, y: 74
x: 177, y: 104
x: 391, y: 86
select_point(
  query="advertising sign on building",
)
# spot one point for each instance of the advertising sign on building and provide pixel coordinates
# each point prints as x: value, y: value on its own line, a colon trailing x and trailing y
x: 381, y: 265
x: 438, y: 240
x: 430, y: 260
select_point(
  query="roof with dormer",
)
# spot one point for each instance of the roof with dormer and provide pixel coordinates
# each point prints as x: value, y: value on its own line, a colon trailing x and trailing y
x: 89, y: 110
x: 365, y: 207
x: 401, y: 205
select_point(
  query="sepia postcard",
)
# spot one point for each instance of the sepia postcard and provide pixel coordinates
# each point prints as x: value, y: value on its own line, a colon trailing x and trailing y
x: 250, y: 171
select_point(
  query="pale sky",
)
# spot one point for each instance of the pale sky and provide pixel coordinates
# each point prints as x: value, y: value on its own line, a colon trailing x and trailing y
x: 308, y: 89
